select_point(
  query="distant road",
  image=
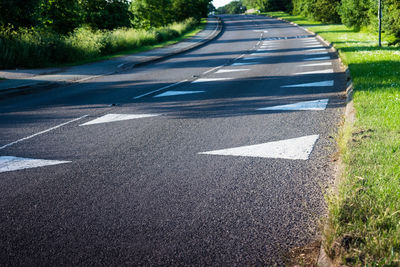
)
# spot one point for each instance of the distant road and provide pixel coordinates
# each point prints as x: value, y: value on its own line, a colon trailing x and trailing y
x: 218, y: 156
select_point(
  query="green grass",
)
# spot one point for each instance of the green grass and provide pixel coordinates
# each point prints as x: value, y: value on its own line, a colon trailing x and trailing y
x: 41, y: 48
x: 364, y: 215
x: 144, y: 48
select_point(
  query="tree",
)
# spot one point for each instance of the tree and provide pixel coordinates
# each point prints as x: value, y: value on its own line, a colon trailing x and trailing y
x: 106, y: 14
x: 63, y: 16
x: 151, y: 13
x: 19, y: 13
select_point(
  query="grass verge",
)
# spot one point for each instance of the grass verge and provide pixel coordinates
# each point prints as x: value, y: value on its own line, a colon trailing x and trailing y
x: 364, y: 215
x: 37, y: 48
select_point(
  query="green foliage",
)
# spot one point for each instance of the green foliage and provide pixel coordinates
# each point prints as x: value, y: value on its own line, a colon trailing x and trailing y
x: 268, y: 5
x: 101, y: 14
x: 234, y: 7
x: 38, y: 48
x: 62, y: 16
x: 156, y: 13
x: 391, y: 17
x: 19, y: 13
x: 326, y: 11
x: 356, y: 13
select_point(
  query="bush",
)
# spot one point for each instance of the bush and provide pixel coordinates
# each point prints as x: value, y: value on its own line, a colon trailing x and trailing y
x: 356, y: 13
x: 326, y: 11
x: 38, y: 47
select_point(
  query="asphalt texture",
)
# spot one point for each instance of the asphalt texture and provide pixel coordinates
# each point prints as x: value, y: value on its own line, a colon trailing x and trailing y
x: 138, y: 193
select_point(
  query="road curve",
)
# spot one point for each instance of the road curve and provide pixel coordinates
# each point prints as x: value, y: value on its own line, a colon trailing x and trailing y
x: 218, y: 156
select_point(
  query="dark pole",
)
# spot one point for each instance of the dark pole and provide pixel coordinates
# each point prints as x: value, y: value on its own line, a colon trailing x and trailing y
x: 380, y: 23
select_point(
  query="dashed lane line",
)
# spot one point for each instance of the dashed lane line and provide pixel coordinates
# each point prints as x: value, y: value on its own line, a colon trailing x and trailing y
x: 43, y: 132
x: 174, y: 93
x: 160, y: 89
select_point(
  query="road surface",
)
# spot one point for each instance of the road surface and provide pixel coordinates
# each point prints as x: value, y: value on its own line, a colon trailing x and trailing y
x: 218, y: 156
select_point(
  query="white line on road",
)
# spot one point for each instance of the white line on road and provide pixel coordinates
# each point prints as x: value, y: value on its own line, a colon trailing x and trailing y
x: 245, y: 63
x: 316, y: 84
x: 317, y: 54
x: 305, y: 105
x: 174, y: 93
x: 250, y: 58
x: 211, y: 70
x: 160, y: 89
x: 206, y: 80
x: 316, y: 58
x: 8, y: 164
x: 314, y: 72
x: 295, y: 149
x: 316, y: 64
x: 42, y: 132
x: 233, y: 70
x: 118, y: 117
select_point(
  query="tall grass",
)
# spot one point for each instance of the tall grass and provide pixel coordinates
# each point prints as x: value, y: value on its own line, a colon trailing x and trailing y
x: 40, y: 48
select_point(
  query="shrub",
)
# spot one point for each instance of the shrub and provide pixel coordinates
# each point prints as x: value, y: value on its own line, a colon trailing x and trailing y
x: 38, y: 47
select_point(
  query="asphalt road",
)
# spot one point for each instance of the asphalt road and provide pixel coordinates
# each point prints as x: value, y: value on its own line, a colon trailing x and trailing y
x: 163, y: 184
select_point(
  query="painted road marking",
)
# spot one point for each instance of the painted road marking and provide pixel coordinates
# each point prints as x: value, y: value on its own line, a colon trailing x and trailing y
x: 305, y: 105
x: 314, y: 72
x: 118, y: 117
x: 173, y: 93
x: 261, y: 54
x: 245, y: 63
x: 250, y: 58
x: 316, y: 49
x: 8, y: 163
x: 316, y: 84
x: 42, y: 132
x: 318, y: 54
x: 316, y: 58
x: 316, y: 64
x: 160, y: 89
x: 234, y: 70
x: 295, y: 149
x: 206, y: 80
x: 314, y: 46
x: 211, y: 70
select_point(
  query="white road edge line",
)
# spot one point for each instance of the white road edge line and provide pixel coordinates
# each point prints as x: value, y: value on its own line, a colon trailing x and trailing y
x: 42, y: 132
x: 211, y: 70
x: 162, y: 88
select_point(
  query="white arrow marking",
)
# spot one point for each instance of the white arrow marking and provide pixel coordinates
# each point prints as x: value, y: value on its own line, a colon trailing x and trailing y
x: 235, y: 70
x: 204, y: 80
x: 172, y: 93
x: 118, y: 117
x: 316, y: 64
x: 8, y: 164
x: 316, y: 58
x: 306, y: 105
x: 296, y: 148
x: 314, y: 72
x: 316, y: 84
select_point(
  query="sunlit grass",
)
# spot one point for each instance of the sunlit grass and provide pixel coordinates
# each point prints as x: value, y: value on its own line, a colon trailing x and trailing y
x: 365, y: 215
x: 36, y: 48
